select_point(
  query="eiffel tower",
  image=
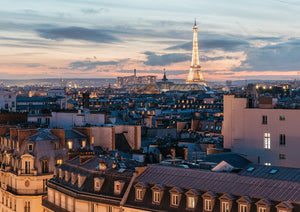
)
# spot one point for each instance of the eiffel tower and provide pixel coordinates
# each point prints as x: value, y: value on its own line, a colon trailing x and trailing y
x: 195, y: 67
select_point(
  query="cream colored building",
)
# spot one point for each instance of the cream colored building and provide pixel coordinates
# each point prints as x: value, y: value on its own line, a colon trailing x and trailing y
x: 264, y: 135
x: 27, y: 160
x: 89, y: 183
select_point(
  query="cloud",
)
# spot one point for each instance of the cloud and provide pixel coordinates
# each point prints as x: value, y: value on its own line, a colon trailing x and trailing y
x: 279, y: 57
x: 89, y: 65
x: 77, y: 33
x: 165, y: 59
x: 91, y: 11
x: 225, y: 44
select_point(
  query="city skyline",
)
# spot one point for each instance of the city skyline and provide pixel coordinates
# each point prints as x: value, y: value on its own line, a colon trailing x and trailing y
x: 101, y: 39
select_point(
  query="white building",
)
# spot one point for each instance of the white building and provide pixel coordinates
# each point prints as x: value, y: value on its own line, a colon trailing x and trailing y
x: 8, y: 101
x: 68, y: 120
x: 264, y: 135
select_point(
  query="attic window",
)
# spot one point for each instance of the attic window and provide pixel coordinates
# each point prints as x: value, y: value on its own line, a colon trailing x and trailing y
x: 273, y: 171
x: 30, y: 147
x: 250, y: 169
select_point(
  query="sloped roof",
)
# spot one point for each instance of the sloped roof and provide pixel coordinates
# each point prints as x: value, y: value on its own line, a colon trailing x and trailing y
x: 222, y: 183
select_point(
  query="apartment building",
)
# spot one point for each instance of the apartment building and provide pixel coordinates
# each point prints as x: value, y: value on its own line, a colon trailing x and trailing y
x: 265, y: 135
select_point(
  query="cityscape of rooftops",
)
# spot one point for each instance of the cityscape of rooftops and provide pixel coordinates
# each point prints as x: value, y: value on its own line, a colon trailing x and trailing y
x: 139, y: 105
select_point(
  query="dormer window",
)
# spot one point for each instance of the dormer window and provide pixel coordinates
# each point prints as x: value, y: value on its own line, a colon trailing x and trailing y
x: 225, y: 207
x: 175, y: 199
x: 191, y: 203
x: 140, y: 189
x: 208, y: 205
x: 244, y: 204
x: 30, y: 147
x: 139, y: 194
x: 175, y: 194
x: 98, y: 182
x: 157, y: 193
x: 156, y: 196
x: 118, y: 186
x: 243, y: 208
x: 262, y: 209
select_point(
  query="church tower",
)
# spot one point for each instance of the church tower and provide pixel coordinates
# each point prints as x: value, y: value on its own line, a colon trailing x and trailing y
x: 195, y: 67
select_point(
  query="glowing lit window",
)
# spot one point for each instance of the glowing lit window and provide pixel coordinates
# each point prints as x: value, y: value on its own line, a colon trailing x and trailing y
x: 83, y: 144
x: 267, y: 141
x: 59, y: 161
x: 70, y: 144
x: 191, y: 202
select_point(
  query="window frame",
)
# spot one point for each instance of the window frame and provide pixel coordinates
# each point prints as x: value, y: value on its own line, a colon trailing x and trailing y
x: 156, y: 196
x: 176, y: 198
x: 207, y: 204
x: 267, y: 141
x: 189, y: 205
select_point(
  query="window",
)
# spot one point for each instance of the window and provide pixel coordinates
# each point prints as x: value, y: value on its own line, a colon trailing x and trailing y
x: 264, y: 119
x: 70, y: 144
x: 243, y: 208
x: 83, y: 144
x: 48, y: 121
x: 282, y: 139
x: 282, y: 118
x: 27, y: 167
x: 27, y: 206
x: 39, y: 120
x: 156, y: 196
x: 13, y: 104
x: 45, y: 185
x: 206, y: 126
x: 281, y: 156
x: 30, y: 147
x: 175, y: 200
x: 191, y: 202
x: 267, y: 141
x: 260, y: 209
x: 139, y: 194
x: 45, y: 167
x: 225, y: 207
x: 59, y: 161
x: 208, y: 205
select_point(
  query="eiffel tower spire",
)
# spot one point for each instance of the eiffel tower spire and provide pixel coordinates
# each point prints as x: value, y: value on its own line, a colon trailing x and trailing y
x: 195, y: 67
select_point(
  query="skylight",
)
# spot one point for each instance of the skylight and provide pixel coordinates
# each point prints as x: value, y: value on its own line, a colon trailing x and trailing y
x: 250, y: 169
x: 273, y: 171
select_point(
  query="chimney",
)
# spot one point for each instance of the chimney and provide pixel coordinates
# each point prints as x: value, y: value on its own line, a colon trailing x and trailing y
x: 85, y: 156
x: 185, y: 153
x: 102, y: 165
x: 60, y: 133
x: 114, y: 165
x: 173, y: 153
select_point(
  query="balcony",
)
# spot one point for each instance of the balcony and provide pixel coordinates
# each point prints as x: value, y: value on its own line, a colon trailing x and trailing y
x: 51, y: 206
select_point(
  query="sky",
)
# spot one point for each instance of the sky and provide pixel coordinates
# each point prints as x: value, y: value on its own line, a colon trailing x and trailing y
x: 237, y: 39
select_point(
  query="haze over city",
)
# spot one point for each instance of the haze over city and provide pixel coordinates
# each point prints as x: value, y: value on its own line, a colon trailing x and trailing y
x: 106, y: 39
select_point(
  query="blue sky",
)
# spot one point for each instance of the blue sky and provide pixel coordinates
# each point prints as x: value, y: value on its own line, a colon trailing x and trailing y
x: 237, y: 39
